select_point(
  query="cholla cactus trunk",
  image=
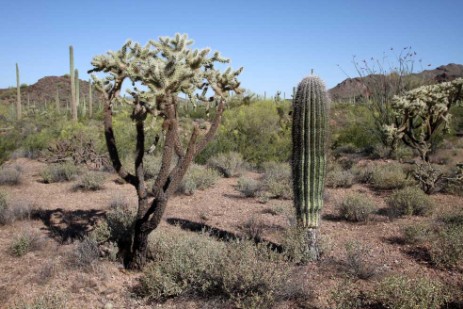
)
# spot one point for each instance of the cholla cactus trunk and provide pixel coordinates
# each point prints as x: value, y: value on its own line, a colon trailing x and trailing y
x: 308, y: 157
x: 18, y: 95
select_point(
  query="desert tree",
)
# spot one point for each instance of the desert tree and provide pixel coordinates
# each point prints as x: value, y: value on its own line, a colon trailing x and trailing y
x: 165, y: 68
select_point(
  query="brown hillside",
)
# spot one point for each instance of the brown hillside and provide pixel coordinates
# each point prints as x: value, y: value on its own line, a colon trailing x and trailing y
x: 45, y: 90
x: 356, y: 87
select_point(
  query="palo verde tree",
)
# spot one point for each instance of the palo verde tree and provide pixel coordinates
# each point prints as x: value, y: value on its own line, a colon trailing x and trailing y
x: 422, y: 113
x: 166, y: 68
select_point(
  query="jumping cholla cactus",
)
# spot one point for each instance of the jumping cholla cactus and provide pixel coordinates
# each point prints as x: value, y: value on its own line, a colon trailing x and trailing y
x: 166, y: 68
x: 310, y: 109
x: 422, y: 112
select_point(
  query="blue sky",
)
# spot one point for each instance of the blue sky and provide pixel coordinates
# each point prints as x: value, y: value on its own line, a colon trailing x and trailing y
x: 277, y: 42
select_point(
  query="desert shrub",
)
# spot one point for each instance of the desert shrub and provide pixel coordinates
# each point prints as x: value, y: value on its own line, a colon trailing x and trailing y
x: 409, y: 201
x: 356, y: 208
x: 59, y: 172
x: 14, y: 210
x: 10, y: 175
x: 25, y: 242
x: 228, y: 164
x: 362, y: 172
x: 198, y: 177
x: 152, y: 165
x: 248, y: 187
x: 336, y: 177
x: 345, y: 296
x: 5, y: 213
x: 120, y: 220
x: 358, y: 261
x: 101, y: 232
x: 446, y: 249
x: 277, y: 180
x: 85, y: 254
x: 44, y: 301
x: 388, y: 176
x: 91, y: 181
x: 260, y: 132
x: 405, y: 293
x: 252, y: 228
x: 295, y: 243
x: 198, y: 265
x: 416, y: 234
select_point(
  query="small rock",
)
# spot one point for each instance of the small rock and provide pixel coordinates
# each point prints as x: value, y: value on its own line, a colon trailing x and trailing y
x: 108, y: 306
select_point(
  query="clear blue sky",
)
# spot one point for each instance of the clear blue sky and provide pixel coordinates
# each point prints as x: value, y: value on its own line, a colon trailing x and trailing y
x: 277, y: 42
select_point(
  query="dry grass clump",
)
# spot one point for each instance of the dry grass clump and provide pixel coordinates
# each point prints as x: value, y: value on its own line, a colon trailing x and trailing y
x: 25, y: 242
x: 388, y: 177
x: 12, y: 211
x: 277, y: 180
x: 248, y: 187
x: 91, y: 181
x: 358, y: 261
x: 60, y: 172
x: 337, y: 177
x: 45, y: 301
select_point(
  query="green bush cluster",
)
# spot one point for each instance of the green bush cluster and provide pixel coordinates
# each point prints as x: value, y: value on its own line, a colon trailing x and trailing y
x: 248, y: 187
x: 409, y: 201
x: 388, y: 176
x: 337, y: 177
x: 91, y: 181
x: 277, y: 180
x: 25, y: 242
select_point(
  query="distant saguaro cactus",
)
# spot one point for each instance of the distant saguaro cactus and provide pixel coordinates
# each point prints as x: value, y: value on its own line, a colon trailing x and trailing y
x: 73, y: 85
x: 18, y: 94
x: 76, y: 87
x: 90, y: 99
x: 310, y: 109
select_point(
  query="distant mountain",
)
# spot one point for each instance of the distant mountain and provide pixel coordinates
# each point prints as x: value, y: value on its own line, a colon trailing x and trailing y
x: 45, y: 91
x: 353, y: 89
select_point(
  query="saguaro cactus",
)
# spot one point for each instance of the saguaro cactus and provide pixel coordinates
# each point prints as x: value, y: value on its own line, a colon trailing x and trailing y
x: 310, y: 109
x: 18, y: 94
x: 73, y: 84
x: 90, y: 99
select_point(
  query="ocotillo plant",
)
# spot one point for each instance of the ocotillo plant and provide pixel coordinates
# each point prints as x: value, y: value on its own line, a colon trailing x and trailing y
x: 310, y: 108
x: 18, y: 94
x: 166, y: 68
x: 73, y: 84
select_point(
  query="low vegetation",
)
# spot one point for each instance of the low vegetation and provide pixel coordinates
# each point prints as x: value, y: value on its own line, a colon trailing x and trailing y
x: 409, y: 201
x: 356, y: 208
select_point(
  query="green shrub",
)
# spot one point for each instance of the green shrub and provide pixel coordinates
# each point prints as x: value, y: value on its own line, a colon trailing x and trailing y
x: 402, y: 292
x: 24, y: 243
x: 120, y: 220
x: 91, y: 181
x: 195, y: 264
x: 260, y: 132
x: 446, y: 249
x: 5, y: 213
x: 409, y: 201
x: 336, y: 177
x: 228, y: 164
x: 11, y: 175
x: 416, y: 234
x: 59, y: 172
x: 248, y: 187
x: 277, y: 180
x: 356, y: 208
x: 388, y: 176
x: 198, y: 177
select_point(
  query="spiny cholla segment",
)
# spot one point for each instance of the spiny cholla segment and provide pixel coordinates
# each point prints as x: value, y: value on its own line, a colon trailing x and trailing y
x: 310, y: 109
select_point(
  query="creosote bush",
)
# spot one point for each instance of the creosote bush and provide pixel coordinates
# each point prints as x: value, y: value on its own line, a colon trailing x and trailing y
x: 85, y: 255
x: 356, y: 208
x: 25, y: 242
x: 409, y: 201
x: 242, y: 273
x: 11, y: 175
x: 60, y: 172
x: 198, y: 177
x: 229, y: 164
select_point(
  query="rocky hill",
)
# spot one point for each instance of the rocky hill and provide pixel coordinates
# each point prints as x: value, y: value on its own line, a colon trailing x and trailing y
x: 356, y: 88
x: 46, y: 90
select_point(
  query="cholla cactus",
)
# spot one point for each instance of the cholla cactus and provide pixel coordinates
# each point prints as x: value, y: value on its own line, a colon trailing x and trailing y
x: 166, y: 68
x: 422, y: 112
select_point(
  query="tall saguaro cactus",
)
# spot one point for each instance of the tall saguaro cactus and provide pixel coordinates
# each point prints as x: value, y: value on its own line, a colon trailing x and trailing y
x: 73, y: 84
x: 310, y: 109
x: 18, y: 94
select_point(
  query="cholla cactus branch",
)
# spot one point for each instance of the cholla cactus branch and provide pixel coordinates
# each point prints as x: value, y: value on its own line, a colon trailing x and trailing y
x: 423, y: 112
x: 166, y: 67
